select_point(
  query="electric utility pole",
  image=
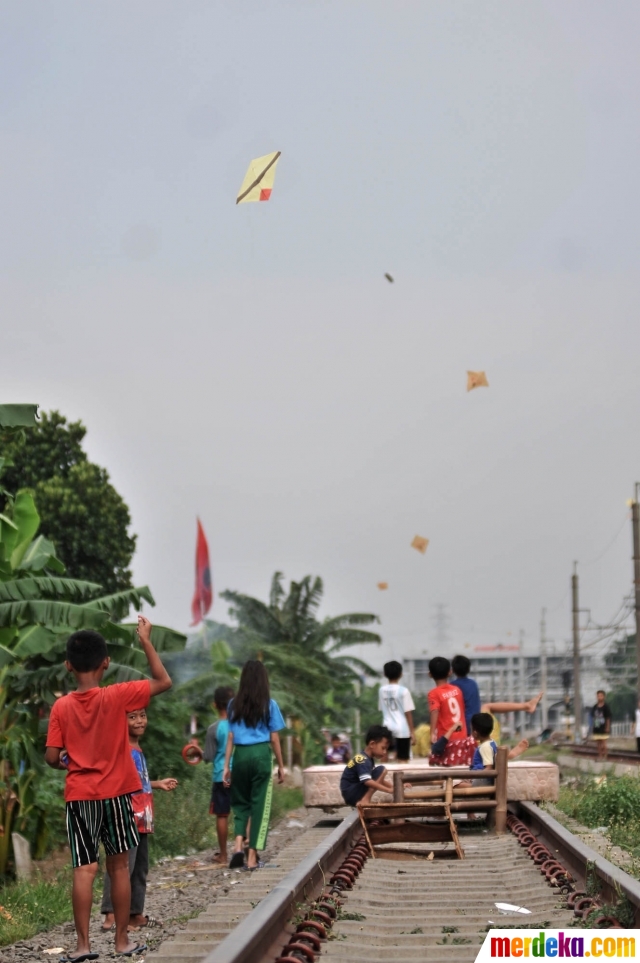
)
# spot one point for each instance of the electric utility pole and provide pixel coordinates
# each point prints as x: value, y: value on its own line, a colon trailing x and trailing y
x: 521, y: 682
x: 543, y: 669
x: 577, y: 694
x: 635, y: 520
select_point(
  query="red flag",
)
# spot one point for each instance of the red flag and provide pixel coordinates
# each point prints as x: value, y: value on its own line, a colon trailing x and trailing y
x: 203, y: 595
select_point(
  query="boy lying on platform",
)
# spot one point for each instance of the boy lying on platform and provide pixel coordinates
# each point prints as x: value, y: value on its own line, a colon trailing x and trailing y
x: 361, y: 778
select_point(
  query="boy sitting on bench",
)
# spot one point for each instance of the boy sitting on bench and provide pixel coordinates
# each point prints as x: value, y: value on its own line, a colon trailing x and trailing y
x: 485, y: 755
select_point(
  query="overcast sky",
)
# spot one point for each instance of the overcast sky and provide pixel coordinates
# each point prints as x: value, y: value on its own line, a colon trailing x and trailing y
x: 251, y: 364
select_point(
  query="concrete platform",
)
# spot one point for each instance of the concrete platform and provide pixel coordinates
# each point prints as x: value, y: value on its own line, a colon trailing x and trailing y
x: 531, y: 781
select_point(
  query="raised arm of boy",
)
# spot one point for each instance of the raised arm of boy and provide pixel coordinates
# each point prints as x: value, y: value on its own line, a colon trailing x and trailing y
x: 160, y: 679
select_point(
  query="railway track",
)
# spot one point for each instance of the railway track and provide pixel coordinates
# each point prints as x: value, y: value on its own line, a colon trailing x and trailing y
x: 324, y: 899
x: 613, y: 755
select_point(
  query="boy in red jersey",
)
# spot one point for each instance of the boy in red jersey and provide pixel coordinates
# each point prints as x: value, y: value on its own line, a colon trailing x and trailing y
x: 446, y: 706
x: 89, y: 726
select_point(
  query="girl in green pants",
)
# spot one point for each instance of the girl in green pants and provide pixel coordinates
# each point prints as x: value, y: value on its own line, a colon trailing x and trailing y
x: 254, y: 721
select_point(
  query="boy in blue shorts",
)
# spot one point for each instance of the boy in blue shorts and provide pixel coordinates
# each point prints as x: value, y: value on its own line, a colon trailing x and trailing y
x: 214, y: 751
x: 361, y: 778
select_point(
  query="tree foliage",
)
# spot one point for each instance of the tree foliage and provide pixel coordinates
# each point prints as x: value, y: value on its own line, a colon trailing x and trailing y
x: 311, y: 671
x: 39, y: 607
x: 80, y: 510
x: 622, y: 675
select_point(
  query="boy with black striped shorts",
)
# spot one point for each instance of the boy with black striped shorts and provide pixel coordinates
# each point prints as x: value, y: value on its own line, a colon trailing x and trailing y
x: 89, y: 737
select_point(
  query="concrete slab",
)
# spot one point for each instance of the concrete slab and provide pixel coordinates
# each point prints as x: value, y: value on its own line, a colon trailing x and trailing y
x: 526, y: 781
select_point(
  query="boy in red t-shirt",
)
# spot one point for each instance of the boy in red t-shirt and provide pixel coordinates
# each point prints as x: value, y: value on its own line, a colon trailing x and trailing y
x: 446, y: 706
x: 89, y: 737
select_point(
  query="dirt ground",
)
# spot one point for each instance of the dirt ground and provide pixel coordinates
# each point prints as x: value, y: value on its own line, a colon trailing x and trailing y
x: 178, y: 889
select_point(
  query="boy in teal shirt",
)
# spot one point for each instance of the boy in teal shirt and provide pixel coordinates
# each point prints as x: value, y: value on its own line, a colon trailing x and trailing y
x: 214, y: 751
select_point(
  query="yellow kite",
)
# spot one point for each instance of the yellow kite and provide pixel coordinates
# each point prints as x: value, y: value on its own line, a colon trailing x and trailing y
x: 258, y: 181
x: 476, y: 379
x: 420, y: 544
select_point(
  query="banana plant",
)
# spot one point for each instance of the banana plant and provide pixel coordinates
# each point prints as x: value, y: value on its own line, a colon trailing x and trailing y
x: 39, y: 608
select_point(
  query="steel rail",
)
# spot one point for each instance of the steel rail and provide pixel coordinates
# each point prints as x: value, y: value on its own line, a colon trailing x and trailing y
x: 260, y: 933
x: 581, y: 860
x: 259, y: 937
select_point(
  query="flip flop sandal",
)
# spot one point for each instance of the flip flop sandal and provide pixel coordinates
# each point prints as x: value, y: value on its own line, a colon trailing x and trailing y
x: 80, y: 958
x: 140, y: 948
x: 237, y: 860
x: 152, y: 921
x: 252, y: 869
x: 107, y: 929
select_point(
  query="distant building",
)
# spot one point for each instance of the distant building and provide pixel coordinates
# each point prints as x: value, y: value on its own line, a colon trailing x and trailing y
x: 503, y: 675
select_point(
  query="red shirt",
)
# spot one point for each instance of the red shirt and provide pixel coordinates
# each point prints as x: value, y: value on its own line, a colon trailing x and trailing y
x: 449, y: 702
x: 92, y: 727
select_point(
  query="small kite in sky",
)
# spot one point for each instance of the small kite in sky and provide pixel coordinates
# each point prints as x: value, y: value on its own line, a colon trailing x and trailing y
x: 476, y: 379
x: 420, y: 544
x: 383, y: 585
x: 389, y: 278
x: 258, y: 181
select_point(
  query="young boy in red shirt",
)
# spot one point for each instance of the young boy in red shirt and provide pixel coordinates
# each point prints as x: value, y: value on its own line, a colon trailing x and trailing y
x: 446, y: 706
x: 88, y: 729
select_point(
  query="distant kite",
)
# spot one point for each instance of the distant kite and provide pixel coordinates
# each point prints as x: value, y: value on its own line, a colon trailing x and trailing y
x: 383, y: 585
x: 389, y: 278
x: 420, y: 544
x: 258, y: 182
x: 476, y: 379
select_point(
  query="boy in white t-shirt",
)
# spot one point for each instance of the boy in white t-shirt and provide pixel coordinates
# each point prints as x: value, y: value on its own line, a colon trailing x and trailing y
x: 396, y: 705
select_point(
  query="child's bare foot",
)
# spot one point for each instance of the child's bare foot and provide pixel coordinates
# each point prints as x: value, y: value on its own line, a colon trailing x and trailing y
x: 220, y: 860
x: 518, y: 749
x: 532, y: 704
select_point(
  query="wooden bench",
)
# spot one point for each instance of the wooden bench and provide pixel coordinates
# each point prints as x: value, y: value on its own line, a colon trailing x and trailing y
x: 431, y: 794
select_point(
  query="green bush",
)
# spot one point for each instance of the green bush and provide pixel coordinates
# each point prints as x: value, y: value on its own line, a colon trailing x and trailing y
x: 182, y: 820
x: 614, y: 804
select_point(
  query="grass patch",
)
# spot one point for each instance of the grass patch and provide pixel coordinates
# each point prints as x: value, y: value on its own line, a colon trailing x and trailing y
x: 614, y: 804
x: 29, y: 908
x: 285, y: 798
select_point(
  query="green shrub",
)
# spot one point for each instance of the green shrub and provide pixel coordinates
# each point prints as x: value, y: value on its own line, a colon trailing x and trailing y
x: 182, y: 820
x: 614, y: 804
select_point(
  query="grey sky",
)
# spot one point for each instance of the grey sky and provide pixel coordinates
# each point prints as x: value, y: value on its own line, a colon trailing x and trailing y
x: 251, y: 365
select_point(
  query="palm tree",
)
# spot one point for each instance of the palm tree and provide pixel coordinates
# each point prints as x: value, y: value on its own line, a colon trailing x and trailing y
x: 310, y: 671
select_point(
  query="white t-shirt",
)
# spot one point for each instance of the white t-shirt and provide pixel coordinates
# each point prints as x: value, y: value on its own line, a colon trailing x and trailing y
x: 638, y: 723
x: 393, y: 701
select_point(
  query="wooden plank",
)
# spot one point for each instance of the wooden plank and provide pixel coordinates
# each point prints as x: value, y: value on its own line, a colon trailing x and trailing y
x: 398, y: 788
x: 454, y: 835
x: 366, y: 833
x: 459, y: 792
x: 441, y: 773
x: 501, y: 789
x: 410, y: 833
x: 399, y: 810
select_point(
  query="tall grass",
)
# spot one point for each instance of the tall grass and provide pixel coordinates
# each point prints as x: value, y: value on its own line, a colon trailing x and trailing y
x: 29, y: 908
x: 614, y: 804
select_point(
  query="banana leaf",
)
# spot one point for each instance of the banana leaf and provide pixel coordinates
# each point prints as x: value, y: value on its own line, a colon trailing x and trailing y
x: 31, y: 589
x: 52, y: 614
x: 18, y: 416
